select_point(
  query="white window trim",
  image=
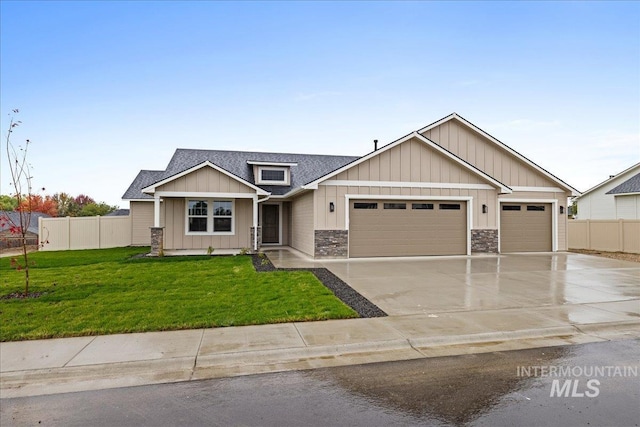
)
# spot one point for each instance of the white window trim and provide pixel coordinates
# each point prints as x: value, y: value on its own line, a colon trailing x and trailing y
x: 210, y: 217
x: 287, y: 177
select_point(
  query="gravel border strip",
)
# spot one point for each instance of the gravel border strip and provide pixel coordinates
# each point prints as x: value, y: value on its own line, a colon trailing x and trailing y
x: 340, y: 289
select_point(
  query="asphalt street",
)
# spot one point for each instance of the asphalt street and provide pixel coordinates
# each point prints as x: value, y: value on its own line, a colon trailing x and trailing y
x: 493, y: 389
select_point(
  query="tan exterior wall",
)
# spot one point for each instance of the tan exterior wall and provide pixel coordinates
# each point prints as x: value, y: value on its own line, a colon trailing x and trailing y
x: 325, y: 194
x: 206, y: 179
x: 302, y: 223
x: 175, y: 236
x: 286, y: 214
x: 486, y: 156
x: 94, y: 232
x: 409, y: 162
x: 622, y: 235
x: 141, y: 214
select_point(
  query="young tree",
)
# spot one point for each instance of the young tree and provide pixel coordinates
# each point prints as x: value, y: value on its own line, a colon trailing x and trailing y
x: 83, y: 200
x: 20, y: 172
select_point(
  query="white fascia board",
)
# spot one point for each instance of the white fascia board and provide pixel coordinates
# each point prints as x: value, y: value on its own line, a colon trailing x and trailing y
x: 473, y: 127
x: 313, y: 185
x: 251, y: 162
x: 539, y: 189
x: 627, y: 194
x: 152, y: 188
x: 293, y: 192
x: 624, y: 172
x: 406, y: 184
x: 204, y: 194
x: 503, y: 188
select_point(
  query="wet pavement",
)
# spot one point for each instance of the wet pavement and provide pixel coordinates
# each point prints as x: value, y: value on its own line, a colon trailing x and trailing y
x: 424, y: 285
x: 492, y: 389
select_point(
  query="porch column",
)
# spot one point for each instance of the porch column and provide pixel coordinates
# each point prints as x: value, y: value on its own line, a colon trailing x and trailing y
x: 156, y: 210
x: 254, y: 229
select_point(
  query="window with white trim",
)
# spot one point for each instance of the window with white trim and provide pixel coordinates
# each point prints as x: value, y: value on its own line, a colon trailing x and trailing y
x: 210, y: 216
x: 273, y: 175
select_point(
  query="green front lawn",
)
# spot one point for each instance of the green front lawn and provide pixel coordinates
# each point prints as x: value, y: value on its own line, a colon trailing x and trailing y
x: 107, y: 291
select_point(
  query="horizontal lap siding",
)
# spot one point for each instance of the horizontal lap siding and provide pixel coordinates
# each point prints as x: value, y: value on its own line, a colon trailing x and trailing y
x: 175, y: 228
x: 302, y: 228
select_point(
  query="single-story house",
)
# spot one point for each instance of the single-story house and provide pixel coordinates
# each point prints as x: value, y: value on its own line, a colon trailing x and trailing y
x: 8, y: 239
x: 448, y: 188
x: 615, y: 198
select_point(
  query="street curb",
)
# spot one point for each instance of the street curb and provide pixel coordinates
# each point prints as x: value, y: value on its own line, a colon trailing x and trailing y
x: 179, y: 369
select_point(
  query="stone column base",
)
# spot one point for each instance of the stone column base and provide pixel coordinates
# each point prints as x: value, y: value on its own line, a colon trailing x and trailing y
x: 157, y: 241
x: 484, y: 241
x: 331, y: 244
x: 253, y: 235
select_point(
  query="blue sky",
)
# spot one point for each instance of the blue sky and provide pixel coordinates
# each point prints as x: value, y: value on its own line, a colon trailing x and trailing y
x: 108, y: 88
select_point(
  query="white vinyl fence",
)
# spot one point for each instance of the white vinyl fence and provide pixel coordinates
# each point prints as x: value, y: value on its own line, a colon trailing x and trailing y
x: 91, y: 232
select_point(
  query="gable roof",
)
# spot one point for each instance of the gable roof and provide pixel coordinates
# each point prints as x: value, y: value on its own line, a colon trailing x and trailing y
x: 630, y: 186
x: 465, y: 122
x: 238, y: 164
x: 594, y: 188
x: 461, y: 162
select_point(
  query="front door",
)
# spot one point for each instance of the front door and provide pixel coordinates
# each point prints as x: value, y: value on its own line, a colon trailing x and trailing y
x: 270, y: 224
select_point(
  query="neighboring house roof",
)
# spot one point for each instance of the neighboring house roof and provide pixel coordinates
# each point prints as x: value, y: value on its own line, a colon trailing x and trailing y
x: 119, y: 212
x: 14, y: 217
x: 594, y: 188
x: 460, y: 119
x: 304, y: 168
x: 503, y: 188
x: 630, y: 186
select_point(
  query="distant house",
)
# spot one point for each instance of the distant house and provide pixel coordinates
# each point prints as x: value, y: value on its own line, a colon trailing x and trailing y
x: 119, y: 212
x: 448, y: 188
x: 11, y: 240
x: 616, y: 198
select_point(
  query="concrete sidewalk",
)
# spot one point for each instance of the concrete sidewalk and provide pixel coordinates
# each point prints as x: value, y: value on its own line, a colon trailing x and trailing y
x: 89, y: 363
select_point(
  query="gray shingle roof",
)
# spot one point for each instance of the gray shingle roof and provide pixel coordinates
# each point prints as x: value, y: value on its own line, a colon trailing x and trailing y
x: 632, y: 185
x: 144, y: 179
x: 14, y: 217
x: 309, y: 168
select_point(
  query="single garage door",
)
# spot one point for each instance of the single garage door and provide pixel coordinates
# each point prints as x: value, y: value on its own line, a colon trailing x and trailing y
x: 525, y: 227
x: 407, y: 228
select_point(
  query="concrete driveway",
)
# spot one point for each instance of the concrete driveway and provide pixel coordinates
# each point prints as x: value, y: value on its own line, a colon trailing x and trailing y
x: 430, y: 285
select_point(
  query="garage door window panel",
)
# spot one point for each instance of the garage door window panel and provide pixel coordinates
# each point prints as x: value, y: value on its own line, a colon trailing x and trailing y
x: 365, y: 206
x: 395, y: 206
x: 449, y: 206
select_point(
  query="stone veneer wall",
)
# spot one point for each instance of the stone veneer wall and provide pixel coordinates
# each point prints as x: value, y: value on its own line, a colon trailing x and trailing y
x: 157, y: 241
x: 484, y: 241
x: 331, y: 243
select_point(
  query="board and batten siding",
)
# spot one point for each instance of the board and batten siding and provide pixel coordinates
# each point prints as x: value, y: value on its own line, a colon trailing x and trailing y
x: 206, y: 179
x: 302, y: 223
x: 486, y: 155
x: 410, y: 162
x: 175, y: 236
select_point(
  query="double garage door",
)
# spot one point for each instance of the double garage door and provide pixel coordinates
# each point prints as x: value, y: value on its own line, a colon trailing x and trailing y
x: 525, y: 227
x: 407, y: 228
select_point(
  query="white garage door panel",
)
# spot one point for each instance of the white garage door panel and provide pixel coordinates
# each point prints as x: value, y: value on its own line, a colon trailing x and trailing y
x: 407, y: 232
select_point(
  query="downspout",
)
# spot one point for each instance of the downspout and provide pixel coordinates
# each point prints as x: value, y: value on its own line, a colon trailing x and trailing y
x: 255, y: 225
